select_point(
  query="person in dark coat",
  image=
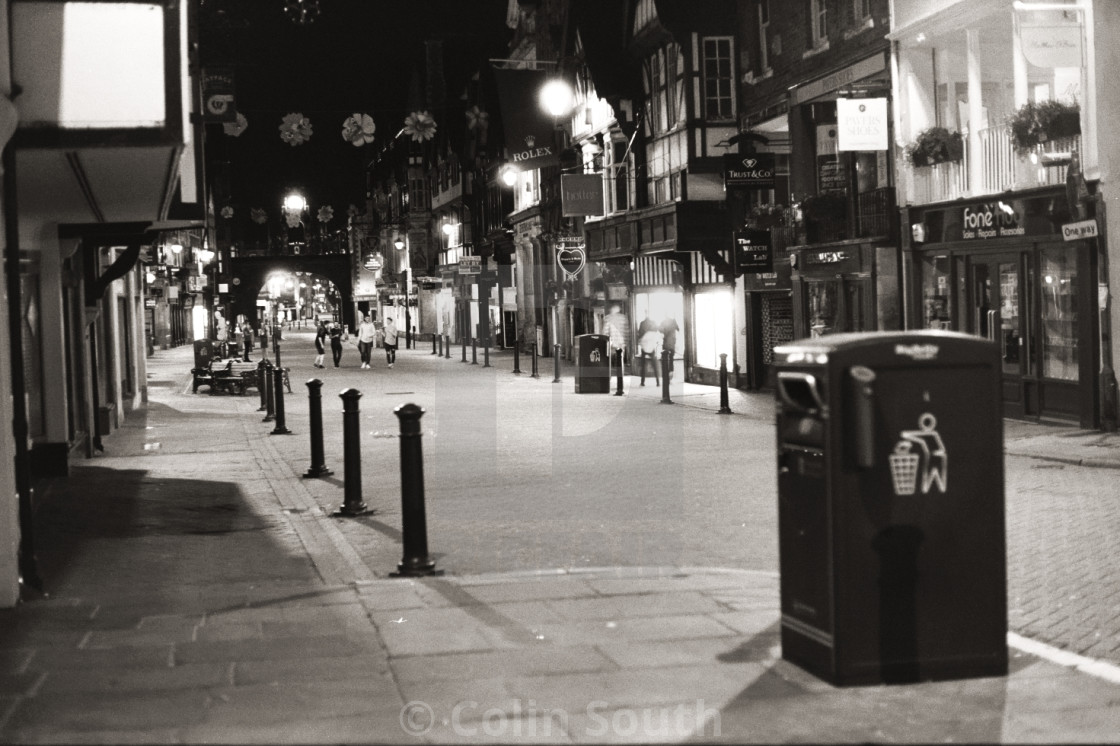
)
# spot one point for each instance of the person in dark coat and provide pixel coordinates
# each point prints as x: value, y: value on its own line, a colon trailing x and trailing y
x: 320, y: 344
x: 336, y: 335
x: 669, y: 329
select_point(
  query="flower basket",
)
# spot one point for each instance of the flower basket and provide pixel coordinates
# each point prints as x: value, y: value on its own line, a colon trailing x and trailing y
x: 1037, y: 122
x: 935, y: 145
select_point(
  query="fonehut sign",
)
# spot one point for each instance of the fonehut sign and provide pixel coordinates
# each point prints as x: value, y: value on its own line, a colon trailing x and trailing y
x: 1010, y: 217
x: 991, y: 220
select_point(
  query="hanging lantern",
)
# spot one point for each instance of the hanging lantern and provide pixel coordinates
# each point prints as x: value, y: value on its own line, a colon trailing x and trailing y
x: 295, y: 129
x: 227, y: 212
x: 420, y: 126
x: 358, y: 129
x: 235, y: 128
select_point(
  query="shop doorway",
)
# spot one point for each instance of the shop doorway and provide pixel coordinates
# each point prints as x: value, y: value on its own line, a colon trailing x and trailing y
x: 997, y: 312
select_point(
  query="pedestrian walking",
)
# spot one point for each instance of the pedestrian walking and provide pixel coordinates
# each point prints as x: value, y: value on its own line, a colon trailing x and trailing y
x: 367, y: 335
x: 337, y: 334
x: 320, y: 344
x: 618, y: 330
x: 389, y: 335
x: 648, y: 342
x: 669, y: 329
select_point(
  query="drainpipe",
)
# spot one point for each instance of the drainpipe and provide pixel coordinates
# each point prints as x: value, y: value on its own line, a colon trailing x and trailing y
x: 28, y: 566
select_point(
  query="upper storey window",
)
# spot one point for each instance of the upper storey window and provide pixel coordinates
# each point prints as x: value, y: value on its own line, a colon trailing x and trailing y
x: 719, y: 78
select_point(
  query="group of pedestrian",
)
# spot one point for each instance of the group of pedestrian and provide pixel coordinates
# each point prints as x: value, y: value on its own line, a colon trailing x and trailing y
x: 367, y: 336
x: 652, y: 336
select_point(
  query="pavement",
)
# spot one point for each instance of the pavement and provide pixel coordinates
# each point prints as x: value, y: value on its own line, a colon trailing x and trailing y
x: 198, y: 593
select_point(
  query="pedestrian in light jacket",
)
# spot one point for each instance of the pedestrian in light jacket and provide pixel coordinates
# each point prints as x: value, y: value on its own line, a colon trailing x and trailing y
x: 389, y: 333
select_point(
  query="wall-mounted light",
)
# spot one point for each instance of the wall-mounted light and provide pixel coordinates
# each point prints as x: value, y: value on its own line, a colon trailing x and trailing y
x: 557, y: 97
x: 509, y: 174
x: 206, y: 256
x: 295, y: 202
x: 150, y: 277
x: 176, y: 248
x: 398, y: 242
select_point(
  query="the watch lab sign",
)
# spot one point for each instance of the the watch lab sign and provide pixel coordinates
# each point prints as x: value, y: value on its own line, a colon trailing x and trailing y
x: 754, y: 171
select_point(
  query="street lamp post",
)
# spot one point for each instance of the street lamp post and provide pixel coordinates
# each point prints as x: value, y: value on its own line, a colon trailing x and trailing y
x: 400, y: 245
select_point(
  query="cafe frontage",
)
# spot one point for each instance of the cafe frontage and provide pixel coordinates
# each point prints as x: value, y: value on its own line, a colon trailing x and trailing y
x: 1020, y: 269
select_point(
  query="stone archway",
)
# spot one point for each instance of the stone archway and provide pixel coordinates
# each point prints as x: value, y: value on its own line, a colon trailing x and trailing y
x: 248, y: 275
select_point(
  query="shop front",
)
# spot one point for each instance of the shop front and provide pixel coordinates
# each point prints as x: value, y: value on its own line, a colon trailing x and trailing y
x: 1003, y: 269
x: 769, y: 306
x: 833, y: 289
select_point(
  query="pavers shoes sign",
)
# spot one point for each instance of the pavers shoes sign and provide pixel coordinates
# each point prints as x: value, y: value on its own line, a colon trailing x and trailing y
x: 530, y: 132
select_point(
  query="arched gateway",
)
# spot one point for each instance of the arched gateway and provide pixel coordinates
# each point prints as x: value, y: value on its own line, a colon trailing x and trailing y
x: 248, y: 275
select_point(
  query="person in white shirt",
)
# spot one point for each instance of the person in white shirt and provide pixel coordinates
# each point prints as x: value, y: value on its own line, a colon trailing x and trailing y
x: 367, y: 334
x: 389, y: 333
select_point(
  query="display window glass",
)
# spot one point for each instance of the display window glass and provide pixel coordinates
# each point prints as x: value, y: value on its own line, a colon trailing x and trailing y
x: 1059, y: 315
x: 935, y: 293
x: 714, y: 327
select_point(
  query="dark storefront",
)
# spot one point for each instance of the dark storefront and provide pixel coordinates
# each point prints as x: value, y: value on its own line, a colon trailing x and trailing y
x: 769, y: 319
x: 1001, y: 268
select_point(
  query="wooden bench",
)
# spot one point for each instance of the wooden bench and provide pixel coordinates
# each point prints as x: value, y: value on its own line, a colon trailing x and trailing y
x: 231, y: 377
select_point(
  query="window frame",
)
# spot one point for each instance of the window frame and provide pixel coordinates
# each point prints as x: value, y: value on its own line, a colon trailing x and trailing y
x: 818, y: 23
x: 717, y: 44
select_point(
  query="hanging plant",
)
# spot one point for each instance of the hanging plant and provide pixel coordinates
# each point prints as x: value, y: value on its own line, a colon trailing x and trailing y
x: 477, y: 119
x: 295, y: 129
x: 353, y: 212
x: 935, y: 145
x: 1036, y: 122
x: 234, y: 129
x: 259, y: 215
x: 420, y: 126
x: 227, y: 212
x: 326, y: 214
x: 358, y: 129
x: 292, y: 219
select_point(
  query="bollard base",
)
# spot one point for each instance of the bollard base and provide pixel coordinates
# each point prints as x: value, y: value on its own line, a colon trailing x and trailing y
x: 280, y: 431
x: 427, y: 569
x: 315, y: 472
x: 352, y: 511
x: 725, y: 410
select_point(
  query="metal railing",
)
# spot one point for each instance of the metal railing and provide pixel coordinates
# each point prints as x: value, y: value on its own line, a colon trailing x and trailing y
x: 1001, y: 169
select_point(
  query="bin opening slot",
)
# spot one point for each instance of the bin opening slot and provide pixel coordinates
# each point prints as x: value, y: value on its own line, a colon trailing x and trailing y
x: 800, y: 391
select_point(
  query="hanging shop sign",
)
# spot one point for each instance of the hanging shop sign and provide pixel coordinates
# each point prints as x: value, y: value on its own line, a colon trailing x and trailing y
x: 1009, y: 217
x: 581, y: 194
x: 753, y: 253
x: 571, y: 258
x: 470, y: 265
x: 861, y: 124
x: 754, y: 171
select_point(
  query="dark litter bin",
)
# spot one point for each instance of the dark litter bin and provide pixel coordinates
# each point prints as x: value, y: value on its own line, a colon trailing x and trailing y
x: 592, y: 364
x: 203, y: 352
x: 891, y: 507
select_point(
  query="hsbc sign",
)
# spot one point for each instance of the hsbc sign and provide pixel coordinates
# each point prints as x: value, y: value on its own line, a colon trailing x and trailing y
x: 753, y: 171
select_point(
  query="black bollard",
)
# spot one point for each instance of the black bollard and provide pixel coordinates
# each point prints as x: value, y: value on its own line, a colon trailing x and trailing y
x: 276, y: 348
x: 440, y: 353
x: 447, y: 347
x: 517, y: 357
x: 261, y: 389
x: 414, y: 528
x: 433, y: 344
x: 278, y: 394
x: 724, y: 406
x: 474, y: 351
x: 464, y: 349
x: 618, y: 374
x: 556, y: 363
x: 486, y: 353
x: 666, y: 361
x: 269, y: 395
x: 352, y: 504
x: 534, y: 375
x: 318, y: 466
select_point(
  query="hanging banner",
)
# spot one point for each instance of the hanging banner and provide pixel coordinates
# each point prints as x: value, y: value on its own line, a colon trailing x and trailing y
x: 861, y: 124
x: 581, y: 194
x: 530, y: 133
x: 217, y: 95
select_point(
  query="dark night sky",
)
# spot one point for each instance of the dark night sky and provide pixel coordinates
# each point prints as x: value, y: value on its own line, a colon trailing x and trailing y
x: 358, y: 56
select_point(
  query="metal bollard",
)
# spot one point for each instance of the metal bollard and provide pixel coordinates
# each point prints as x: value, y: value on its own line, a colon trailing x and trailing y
x: 269, y: 396
x: 276, y: 348
x: 433, y: 344
x: 556, y: 362
x: 666, y: 361
x: 261, y: 389
x: 318, y: 466
x: 414, y: 528
x: 464, y: 350
x: 486, y: 353
x: 447, y: 346
x: 535, y: 374
x: 474, y: 351
x: 517, y: 357
x: 278, y: 393
x: 724, y: 406
x: 352, y: 504
x: 618, y: 375
x: 440, y: 353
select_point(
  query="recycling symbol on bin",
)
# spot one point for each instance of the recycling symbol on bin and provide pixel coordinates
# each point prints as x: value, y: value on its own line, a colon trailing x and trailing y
x: 919, y: 460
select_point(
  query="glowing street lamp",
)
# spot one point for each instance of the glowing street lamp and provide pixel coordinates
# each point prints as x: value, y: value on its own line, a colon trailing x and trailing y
x: 295, y: 202
x: 557, y: 98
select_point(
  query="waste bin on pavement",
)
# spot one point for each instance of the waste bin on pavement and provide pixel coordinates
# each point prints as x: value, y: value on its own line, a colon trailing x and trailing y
x: 891, y: 507
x: 203, y: 352
x: 592, y: 364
